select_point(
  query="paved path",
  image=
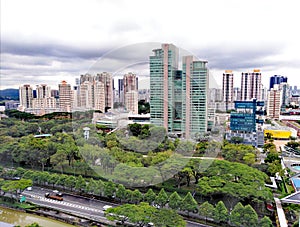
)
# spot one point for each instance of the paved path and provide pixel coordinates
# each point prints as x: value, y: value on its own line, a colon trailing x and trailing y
x: 280, y: 213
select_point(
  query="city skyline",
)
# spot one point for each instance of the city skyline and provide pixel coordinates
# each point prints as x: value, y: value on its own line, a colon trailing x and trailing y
x: 39, y: 46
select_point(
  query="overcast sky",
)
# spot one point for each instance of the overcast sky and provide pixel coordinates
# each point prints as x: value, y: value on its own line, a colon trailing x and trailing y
x: 46, y: 41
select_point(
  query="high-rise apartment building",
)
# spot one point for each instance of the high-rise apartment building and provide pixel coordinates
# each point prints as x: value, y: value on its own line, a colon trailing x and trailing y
x: 251, y: 85
x: 99, y: 96
x: 131, y: 93
x: 43, y: 91
x: 26, y: 96
x: 94, y: 92
x: 43, y: 101
x: 274, y: 102
x: 86, y: 95
x: 178, y: 98
x: 64, y: 96
x: 227, y: 88
x: 120, y: 91
x: 236, y: 94
x: 106, y: 79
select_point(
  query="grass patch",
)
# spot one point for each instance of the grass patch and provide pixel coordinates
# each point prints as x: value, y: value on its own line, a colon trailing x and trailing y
x: 9, y: 202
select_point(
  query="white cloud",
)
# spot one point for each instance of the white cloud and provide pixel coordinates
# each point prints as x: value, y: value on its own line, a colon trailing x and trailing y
x: 65, y: 37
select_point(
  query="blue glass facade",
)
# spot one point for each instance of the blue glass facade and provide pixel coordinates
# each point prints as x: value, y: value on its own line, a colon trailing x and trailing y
x: 244, y: 119
x: 277, y: 80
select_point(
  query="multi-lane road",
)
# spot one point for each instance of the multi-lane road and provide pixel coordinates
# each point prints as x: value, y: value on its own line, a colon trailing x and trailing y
x: 80, y: 206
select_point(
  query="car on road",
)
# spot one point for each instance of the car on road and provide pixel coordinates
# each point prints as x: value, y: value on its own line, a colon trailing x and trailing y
x: 55, y: 197
x: 57, y: 193
x: 29, y: 189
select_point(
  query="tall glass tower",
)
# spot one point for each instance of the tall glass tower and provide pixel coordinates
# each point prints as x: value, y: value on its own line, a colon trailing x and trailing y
x: 178, y: 98
x: 163, y: 67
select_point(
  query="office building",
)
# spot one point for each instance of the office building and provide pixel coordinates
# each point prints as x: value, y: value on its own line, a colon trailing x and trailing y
x: 178, y: 98
x: 194, y: 83
x: 227, y: 89
x: 163, y: 66
x: 251, y: 85
x: 245, y: 122
x: 277, y: 80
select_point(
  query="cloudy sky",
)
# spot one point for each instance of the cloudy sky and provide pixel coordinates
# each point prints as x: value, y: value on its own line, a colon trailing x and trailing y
x: 45, y: 41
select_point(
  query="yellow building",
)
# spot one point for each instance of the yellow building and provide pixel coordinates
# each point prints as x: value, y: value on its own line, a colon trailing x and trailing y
x: 278, y: 133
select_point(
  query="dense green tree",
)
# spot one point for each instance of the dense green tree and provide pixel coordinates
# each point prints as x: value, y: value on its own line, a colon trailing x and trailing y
x: 220, y: 212
x: 66, y: 147
x: 135, y: 129
x: 236, y: 215
x: 234, y: 180
x: 269, y: 147
x: 137, y: 196
x: 16, y: 186
x: 185, y: 148
x: 143, y: 214
x: 244, y: 216
x: 272, y: 157
x: 53, y: 178
x: 99, y: 190
x: 175, y: 201
x: 265, y: 222
x: 162, y: 198
x: 62, y: 180
x: 250, y: 217
x: 70, y: 182
x: 109, y: 189
x: 121, y: 192
x: 189, y: 204
x: 274, y: 167
x: 80, y: 184
x: 207, y: 210
x: 249, y: 158
x: 149, y: 196
x: 166, y: 217
x: 237, y: 152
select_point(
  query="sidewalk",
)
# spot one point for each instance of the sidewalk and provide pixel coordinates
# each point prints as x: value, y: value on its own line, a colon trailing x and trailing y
x: 280, y: 213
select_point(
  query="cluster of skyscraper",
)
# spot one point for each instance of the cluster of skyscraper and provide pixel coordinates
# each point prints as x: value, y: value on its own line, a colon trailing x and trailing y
x: 276, y: 98
x: 92, y: 92
x: 180, y: 99
x: 249, y: 102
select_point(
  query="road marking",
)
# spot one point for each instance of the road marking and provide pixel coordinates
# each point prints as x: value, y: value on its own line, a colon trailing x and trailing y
x: 63, y: 203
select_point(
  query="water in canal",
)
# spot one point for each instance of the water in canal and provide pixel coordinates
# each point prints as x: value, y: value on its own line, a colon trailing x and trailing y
x: 23, y: 219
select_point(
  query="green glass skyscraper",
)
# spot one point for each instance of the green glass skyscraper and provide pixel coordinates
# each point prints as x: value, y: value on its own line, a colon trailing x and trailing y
x: 178, y: 99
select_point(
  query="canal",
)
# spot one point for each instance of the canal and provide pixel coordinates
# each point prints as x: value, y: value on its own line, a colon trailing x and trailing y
x: 22, y: 219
